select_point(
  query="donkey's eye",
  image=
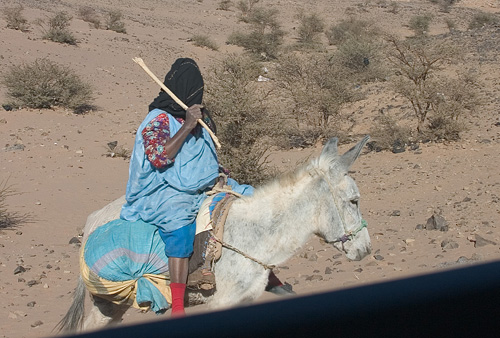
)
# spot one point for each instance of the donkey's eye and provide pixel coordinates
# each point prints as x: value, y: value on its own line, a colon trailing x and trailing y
x: 355, y: 202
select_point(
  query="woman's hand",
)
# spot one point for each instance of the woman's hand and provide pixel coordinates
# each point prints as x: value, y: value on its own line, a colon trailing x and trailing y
x: 193, y: 114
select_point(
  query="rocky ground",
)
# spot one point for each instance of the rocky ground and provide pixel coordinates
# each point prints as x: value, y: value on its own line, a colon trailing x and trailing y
x: 428, y: 209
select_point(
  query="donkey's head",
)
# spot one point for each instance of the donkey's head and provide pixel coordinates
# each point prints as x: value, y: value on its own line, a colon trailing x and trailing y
x: 342, y: 224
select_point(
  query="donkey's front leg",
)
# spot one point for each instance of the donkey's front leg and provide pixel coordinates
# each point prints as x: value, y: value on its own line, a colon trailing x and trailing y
x: 103, y: 313
x: 238, y: 281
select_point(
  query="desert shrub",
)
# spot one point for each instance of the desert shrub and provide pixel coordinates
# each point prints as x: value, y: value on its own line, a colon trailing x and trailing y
x: 419, y: 24
x: 224, y: 5
x: 444, y: 4
x: 434, y: 97
x: 314, y: 91
x: 245, y: 7
x: 309, y: 30
x: 15, y: 18
x: 56, y: 28
x: 351, y: 28
x: 387, y: 134
x: 114, y: 23
x: 10, y: 219
x: 237, y: 104
x: 46, y: 84
x: 483, y: 19
x: 362, y: 59
x: 450, y: 24
x: 265, y: 36
x: 90, y: 15
x: 202, y: 40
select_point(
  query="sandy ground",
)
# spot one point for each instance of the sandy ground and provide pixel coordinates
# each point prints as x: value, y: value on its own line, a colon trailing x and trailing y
x: 56, y: 160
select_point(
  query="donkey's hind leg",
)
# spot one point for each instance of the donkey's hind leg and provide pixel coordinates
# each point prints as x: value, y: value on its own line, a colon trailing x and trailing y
x: 103, y: 313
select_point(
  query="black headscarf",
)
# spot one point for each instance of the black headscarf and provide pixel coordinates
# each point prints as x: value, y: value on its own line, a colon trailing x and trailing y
x: 185, y: 81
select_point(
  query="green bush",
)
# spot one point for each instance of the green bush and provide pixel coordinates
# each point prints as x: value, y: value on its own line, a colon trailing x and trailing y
x: 483, y: 19
x: 56, y: 28
x: 15, y: 18
x: 237, y: 104
x: 202, y: 40
x: 114, y: 23
x: 45, y: 84
x: 90, y: 15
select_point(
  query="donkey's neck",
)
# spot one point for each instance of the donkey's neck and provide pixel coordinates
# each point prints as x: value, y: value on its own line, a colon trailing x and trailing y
x: 277, y: 221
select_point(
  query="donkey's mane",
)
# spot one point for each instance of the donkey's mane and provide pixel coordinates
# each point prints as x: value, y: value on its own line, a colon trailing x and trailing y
x: 290, y: 178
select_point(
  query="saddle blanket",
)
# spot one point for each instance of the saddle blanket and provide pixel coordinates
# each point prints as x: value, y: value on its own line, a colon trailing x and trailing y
x: 125, y: 262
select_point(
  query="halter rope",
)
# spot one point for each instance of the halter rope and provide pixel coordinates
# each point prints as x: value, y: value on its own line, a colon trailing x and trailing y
x: 348, y: 235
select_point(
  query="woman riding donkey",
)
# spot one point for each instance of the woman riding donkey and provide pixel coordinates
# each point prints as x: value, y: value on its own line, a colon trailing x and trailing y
x: 173, y: 164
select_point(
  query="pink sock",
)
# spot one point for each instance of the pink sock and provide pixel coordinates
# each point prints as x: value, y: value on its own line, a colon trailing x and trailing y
x: 178, y: 290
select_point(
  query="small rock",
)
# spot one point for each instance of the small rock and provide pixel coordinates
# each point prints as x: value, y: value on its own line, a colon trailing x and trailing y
x: 396, y: 213
x: 19, y: 269
x: 12, y: 315
x: 75, y: 240
x: 313, y: 257
x: 32, y: 282
x: 480, y: 241
x: 314, y: 277
x: 436, y: 222
x: 20, y: 313
x: 449, y: 244
x: 31, y: 304
x: 48, y: 266
x: 19, y: 233
x: 21, y: 280
x: 328, y: 270
x: 358, y: 270
x: 378, y: 257
x: 420, y: 227
x: 409, y: 241
x: 37, y: 323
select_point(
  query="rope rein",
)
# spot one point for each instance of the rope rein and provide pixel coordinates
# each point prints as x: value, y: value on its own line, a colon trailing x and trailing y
x: 230, y: 247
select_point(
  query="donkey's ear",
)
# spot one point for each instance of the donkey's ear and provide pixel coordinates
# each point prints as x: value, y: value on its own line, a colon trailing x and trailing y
x: 330, y: 148
x: 352, y: 154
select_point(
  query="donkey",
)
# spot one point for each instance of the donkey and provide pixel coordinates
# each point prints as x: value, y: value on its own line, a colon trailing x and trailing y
x: 266, y: 229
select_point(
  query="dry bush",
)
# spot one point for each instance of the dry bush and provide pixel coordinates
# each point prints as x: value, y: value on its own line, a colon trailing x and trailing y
x: 265, y: 37
x: 246, y: 7
x: 387, y: 134
x: 309, y: 30
x: 483, y: 19
x: 56, y: 28
x: 224, y: 5
x: 46, y: 84
x: 351, y: 28
x: 237, y: 104
x: 10, y: 219
x: 314, y: 91
x: 438, y: 100
x: 202, y: 40
x: 362, y: 58
x: 114, y: 23
x: 444, y: 4
x: 90, y: 15
x: 15, y: 18
x: 419, y: 24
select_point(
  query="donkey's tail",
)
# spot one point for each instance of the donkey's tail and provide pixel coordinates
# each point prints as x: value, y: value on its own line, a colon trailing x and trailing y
x: 73, y: 319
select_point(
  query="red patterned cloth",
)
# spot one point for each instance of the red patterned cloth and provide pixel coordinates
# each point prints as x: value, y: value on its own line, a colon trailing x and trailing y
x: 155, y: 136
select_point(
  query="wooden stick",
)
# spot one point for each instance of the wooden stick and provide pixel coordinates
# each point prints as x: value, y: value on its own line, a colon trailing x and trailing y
x: 141, y: 63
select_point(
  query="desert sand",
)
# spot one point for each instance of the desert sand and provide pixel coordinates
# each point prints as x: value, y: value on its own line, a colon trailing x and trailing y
x: 55, y: 160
